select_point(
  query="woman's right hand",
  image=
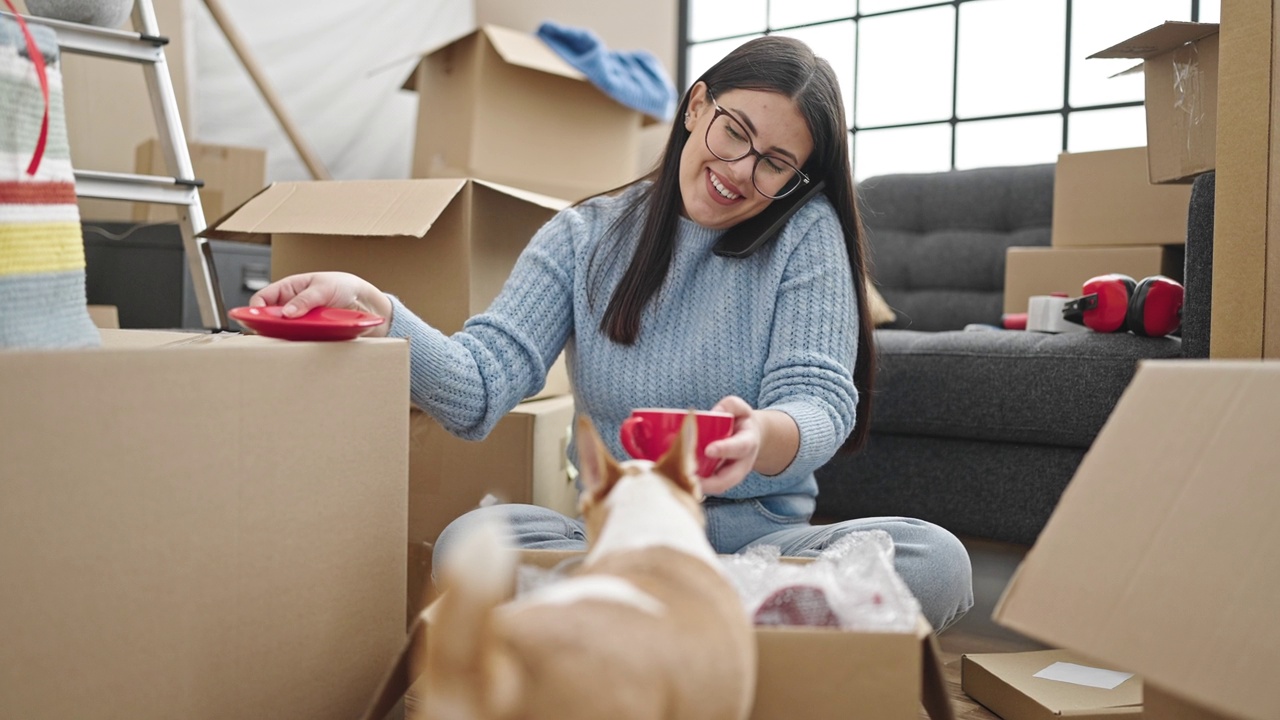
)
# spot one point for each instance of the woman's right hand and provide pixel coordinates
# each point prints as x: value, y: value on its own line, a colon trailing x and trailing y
x: 300, y: 293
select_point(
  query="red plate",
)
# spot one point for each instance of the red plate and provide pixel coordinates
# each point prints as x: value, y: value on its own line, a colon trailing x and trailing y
x: 317, y: 324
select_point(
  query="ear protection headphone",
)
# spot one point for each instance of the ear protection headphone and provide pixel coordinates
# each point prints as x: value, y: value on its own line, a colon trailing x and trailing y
x: 1115, y: 303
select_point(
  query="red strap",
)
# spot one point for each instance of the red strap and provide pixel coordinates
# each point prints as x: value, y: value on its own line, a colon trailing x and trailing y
x: 37, y: 59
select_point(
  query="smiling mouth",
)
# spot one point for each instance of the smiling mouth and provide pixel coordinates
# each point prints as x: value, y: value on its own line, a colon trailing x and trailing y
x: 720, y: 187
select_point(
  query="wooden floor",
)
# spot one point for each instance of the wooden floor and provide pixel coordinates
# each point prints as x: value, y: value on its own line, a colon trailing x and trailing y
x: 993, y: 563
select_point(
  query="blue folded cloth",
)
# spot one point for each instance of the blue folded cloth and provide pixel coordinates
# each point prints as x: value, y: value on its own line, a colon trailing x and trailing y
x: 634, y: 78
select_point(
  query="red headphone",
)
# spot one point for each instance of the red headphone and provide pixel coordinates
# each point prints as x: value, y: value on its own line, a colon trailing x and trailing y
x: 1114, y: 303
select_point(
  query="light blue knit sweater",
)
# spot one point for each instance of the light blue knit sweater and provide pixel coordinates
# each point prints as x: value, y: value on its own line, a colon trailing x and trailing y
x: 778, y: 329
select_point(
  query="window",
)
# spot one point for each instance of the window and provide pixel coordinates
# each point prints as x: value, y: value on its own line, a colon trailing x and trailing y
x: 934, y: 84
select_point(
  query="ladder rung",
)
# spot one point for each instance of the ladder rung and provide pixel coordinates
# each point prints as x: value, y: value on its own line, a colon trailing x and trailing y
x: 102, y: 42
x: 140, y: 188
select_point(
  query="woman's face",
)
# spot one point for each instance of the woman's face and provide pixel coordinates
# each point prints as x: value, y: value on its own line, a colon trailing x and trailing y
x: 719, y: 194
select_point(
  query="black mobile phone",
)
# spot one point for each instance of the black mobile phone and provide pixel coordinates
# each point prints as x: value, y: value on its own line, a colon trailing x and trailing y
x: 749, y: 235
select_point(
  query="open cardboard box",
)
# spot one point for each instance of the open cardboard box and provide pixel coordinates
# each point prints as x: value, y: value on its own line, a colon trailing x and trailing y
x: 201, y: 526
x: 815, y: 673
x: 1180, y: 62
x: 444, y: 247
x: 501, y: 105
x: 1163, y: 554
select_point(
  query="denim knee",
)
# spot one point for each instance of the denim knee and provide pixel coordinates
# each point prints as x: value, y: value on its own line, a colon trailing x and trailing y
x: 530, y: 526
x: 936, y: 566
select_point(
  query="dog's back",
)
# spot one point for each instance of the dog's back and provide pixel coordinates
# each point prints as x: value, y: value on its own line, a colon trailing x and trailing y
x: 643, y: 630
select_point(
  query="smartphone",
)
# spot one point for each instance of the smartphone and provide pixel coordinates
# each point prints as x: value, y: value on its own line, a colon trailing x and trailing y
x: 749, y: 235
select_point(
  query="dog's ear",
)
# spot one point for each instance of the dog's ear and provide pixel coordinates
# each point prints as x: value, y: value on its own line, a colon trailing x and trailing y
x: 597, y: 468
x: 680, y: 462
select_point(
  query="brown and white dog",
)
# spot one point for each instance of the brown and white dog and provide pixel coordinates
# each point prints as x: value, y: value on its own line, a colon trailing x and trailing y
x: 648, y: 628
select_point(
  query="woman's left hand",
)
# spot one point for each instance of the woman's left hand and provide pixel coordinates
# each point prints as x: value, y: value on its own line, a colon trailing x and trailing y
x: 738, y: 451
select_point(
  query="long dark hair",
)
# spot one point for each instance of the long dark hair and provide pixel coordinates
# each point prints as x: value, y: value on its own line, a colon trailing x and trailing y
x: 773, y: 64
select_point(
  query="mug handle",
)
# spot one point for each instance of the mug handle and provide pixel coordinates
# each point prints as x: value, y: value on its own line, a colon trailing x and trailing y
x: 631, y: 428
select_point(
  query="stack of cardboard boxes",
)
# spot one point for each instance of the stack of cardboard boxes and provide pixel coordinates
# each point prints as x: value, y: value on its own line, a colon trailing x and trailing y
x: 1125, y: 211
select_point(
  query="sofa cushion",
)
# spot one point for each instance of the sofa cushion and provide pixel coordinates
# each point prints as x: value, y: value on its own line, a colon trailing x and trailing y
x: 1005, y: 385
x: 937, y: 241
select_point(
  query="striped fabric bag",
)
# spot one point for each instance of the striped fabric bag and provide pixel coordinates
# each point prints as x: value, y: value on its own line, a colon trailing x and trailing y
x: 42, y: 295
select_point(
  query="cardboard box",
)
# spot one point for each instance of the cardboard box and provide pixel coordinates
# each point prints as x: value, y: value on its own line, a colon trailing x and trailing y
x: 1180, y: 62
x: 1103, y: 198
x: 521, y: 461
x: 1246, y: 264
x: 1045, y: 270
x: 201, y: 526
x: 444, y: 247
x: 815, y: 673
x: 230, y: 174
x: 1007, y: 685
x: 1163, y: 554
x: 501, y: 105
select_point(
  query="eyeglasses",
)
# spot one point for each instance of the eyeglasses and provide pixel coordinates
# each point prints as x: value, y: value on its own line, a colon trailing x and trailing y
x: 728, y: 140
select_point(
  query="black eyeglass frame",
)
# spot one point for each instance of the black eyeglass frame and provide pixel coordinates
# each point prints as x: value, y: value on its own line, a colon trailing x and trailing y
x: 751, y: 150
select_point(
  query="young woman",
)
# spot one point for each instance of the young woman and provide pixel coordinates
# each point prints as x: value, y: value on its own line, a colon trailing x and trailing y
x: 628, y: 284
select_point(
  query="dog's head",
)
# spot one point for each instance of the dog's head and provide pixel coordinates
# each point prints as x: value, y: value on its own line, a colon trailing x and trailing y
x: 600, y: 473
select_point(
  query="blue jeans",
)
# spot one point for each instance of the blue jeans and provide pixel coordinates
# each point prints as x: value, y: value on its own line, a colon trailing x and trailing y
x: 932, y: 561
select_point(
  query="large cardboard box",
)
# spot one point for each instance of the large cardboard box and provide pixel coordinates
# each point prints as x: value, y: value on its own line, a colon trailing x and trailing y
x: 201, y: 526
x: 1180, y: 62
x: 521, y: 461
x: 1045, y: 270
x: 443, y: 246
x: 1163, y: 554
x: 501, y: 105
x: 1103, y: 198
x: 810, y: 672
x: 1246, y: 238
x: 230, y: 175
x: 1024, y: 686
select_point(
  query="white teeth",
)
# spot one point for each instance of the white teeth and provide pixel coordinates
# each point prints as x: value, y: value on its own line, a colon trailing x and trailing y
x: 724, y: 192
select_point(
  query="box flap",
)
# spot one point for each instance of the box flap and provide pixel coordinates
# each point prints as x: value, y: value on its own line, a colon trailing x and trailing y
x: 513, y: 46
x: 933, y: 684
x: 546, y: 201
x: 1159, y: 39
x: 525, y: 50
x: 362, y: 208
x: 1163, y: 555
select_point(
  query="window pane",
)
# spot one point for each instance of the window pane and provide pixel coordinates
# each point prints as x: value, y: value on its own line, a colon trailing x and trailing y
x: 866, y: 7
x: 703, y: 55
x: 1106, y: 129
x: 1210, y: 11
x: 1099, y: 24
x: 798, y: 12
x: 1009, y: 45
x: 832, y: 42
x: 925, y: 148
x: 905, y: 63
x: 1012, y: 141
x: 710, y: 19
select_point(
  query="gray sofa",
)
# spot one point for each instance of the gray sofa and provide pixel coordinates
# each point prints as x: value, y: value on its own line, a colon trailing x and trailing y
x: 980, y: 430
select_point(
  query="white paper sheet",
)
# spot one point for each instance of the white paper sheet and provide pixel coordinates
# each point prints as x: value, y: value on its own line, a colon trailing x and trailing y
x: 1084, y: 675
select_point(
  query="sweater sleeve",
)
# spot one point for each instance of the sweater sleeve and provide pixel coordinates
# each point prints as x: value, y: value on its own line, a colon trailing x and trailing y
x: 469, y: 380
x: 809, y: 371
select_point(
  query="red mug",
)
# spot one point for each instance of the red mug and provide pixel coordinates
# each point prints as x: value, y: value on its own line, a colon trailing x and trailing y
x: 648, y: 433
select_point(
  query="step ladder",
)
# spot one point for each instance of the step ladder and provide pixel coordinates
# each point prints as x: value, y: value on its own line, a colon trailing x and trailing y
x: 145, y: 46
